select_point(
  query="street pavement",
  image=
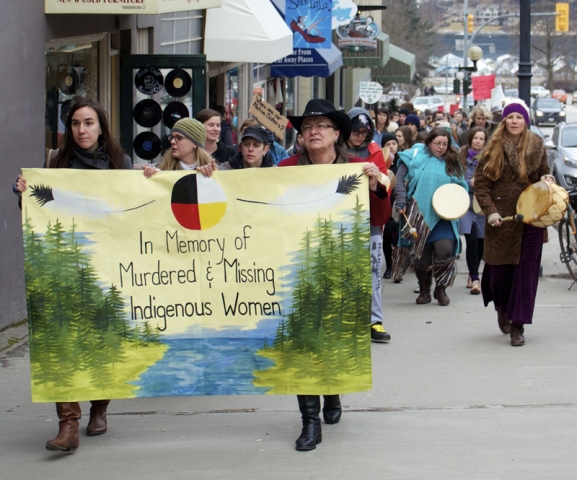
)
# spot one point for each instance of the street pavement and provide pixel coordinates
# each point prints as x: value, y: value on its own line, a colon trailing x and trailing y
x: 451, y: 399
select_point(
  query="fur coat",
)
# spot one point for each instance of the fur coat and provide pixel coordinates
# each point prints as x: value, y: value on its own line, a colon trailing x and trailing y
x: 503, y: 244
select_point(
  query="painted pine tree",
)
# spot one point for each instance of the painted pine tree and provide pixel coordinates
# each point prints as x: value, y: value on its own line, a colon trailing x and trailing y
x: 75, y: 324
x: 323, y: 345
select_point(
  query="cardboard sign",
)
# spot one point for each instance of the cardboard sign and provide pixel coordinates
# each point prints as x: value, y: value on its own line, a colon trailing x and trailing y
x: 482, y: 86
x: 252, y: 281
x: 370, y: 92
x: 268, y: 116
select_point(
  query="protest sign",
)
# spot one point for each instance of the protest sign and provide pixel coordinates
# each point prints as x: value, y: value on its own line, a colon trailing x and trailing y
x: 370, y: 92
x: 268, y: 116
x: 482, y: 86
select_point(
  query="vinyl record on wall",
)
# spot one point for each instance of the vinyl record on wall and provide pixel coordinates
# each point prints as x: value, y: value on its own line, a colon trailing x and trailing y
x: 147, y: 145
x: 178, y: 83
x: 148, y: 80
x: 173, y: 112
x: 147, y: 113
x: 68, y: 81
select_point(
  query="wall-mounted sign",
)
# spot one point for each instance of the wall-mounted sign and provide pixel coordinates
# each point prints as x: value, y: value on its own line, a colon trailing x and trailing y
x: 311, y: 23
x: 358, y: 35
x: 370, y: 92
x: 127, y: 7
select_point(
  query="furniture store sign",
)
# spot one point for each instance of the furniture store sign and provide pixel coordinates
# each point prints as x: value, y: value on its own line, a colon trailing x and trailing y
x: 118, y: 7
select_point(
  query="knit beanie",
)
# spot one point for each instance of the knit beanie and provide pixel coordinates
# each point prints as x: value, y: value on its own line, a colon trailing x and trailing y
x: 414, y: 119
x: 517, y: 106
x: 387, y: 137
x: 191, y: 129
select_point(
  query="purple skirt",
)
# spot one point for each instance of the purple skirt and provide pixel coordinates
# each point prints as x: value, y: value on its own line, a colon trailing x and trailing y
x: 513, y: 288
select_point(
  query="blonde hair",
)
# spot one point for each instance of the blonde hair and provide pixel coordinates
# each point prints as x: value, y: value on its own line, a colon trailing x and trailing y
x: 168, y: 162
x: 493, y: 151
x: 479, y: 110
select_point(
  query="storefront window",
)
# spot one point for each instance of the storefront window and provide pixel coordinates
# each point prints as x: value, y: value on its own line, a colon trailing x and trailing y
x: 290, y: 109
x: 71, y: 73
x: 259, y: 76
x: 233, y: 107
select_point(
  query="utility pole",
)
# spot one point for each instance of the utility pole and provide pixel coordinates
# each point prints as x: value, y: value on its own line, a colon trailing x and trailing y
x: 465, y: 34
x: 524, y: 73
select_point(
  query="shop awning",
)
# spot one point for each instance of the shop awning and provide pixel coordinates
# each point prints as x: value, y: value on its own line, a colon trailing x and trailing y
x: 120, y: 7
x: 308, y: 62
x: 246, y: 31
x: 400, y: 67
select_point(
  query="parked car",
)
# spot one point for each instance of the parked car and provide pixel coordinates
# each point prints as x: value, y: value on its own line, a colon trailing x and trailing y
x: 539, y: 91
x: 511, y: 92
x: 562, y: 154
x: 547, y: 110
x: 444, y: 89
x: 434, y: 104
x: 560, y: 95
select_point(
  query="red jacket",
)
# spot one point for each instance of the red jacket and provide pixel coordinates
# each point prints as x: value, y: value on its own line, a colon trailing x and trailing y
x: 378, y: 201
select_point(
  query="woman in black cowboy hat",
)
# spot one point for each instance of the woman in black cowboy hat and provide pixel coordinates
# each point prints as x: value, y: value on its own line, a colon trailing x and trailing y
x: 325, y: 131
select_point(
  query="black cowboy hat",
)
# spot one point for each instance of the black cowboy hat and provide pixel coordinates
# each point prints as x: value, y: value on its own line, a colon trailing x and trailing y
x: 320, y: 107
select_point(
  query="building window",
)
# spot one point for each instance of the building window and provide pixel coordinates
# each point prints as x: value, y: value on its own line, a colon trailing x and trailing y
x: 181, y: 33
x: 71, y: 73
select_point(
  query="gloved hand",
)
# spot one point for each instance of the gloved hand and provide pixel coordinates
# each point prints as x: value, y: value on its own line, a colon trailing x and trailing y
x: 494, y: 219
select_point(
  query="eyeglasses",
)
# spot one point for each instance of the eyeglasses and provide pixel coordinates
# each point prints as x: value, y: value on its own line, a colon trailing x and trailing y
x: 177, y: 138
x: 440, y: 145
x: 359, y: 133
x: 319, y: 127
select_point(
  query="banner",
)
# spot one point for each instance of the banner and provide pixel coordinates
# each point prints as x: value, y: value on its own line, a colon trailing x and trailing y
x: 482, y: 86
x: 311, y: 22
x: 255, y: 281
x: 127, y: 7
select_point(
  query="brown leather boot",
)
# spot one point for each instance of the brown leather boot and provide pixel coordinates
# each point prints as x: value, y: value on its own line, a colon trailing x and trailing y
x: 441, y: 296
x: 517, y: 339
x: 425, y: 278
x: 67, y: 439
x: 97, y: 424
x: 504, y: 324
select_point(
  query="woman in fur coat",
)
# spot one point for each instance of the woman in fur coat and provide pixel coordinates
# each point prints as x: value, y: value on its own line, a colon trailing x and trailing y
x: 513, y: 159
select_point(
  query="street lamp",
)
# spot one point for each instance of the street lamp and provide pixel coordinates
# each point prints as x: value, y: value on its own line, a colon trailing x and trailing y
x: 475, y: 54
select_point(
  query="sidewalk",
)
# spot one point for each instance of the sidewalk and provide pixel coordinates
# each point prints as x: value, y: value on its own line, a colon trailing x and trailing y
x: 450, y: 400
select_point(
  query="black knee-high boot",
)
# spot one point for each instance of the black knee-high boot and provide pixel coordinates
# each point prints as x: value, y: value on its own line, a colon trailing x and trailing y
x: 332, y: 409
x: 311, y: 435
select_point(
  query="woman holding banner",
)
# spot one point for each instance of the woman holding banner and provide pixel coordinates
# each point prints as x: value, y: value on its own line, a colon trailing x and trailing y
x: 88, y: 144
x: 325, y: 131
